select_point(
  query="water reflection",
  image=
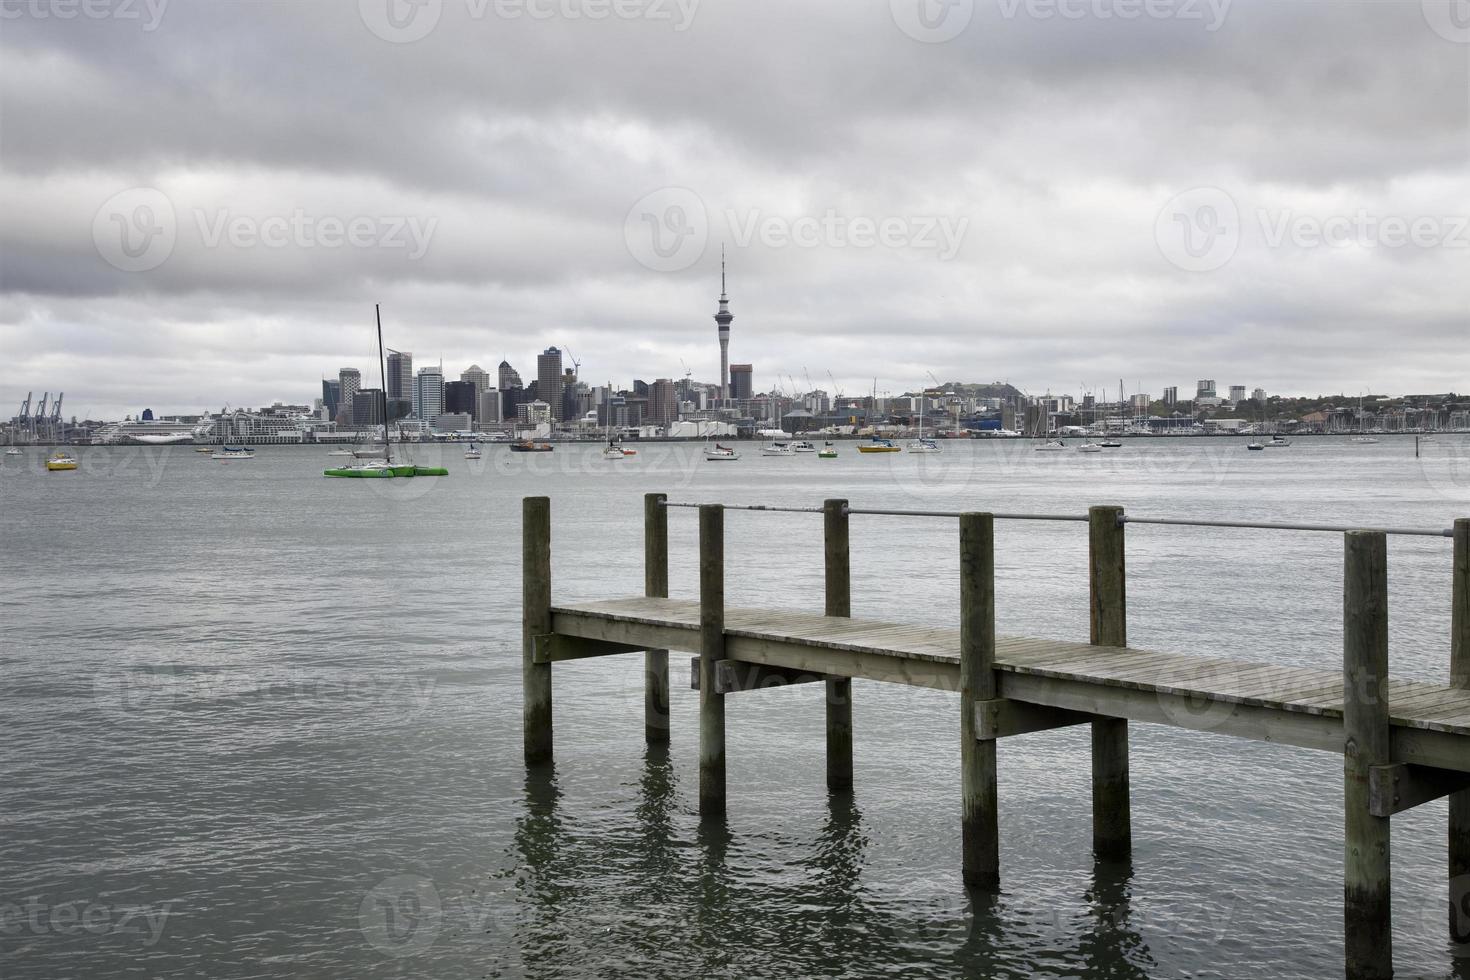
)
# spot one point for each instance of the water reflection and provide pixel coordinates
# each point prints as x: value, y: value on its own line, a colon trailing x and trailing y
x: 1114, y: 948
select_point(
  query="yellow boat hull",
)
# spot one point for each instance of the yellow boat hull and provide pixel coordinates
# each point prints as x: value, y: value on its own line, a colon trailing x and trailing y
x: 55, y: 465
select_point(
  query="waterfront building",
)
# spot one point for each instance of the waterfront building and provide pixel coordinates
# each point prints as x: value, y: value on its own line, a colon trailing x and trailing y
x: 489, y: 407
x: 549, y: 381
x: 509, y: 377
x: 331, y: 396
x: 534, y: 413
x: 741, y: 383
x: 453, y: 421
x: 367, y: 407
x: 428, y: 393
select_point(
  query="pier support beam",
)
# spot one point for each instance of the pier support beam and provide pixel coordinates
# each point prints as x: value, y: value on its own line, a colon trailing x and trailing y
x: 655, y: 586
x: 838, y: 603
x: 711, y: 652
x: 1112, y: 831
x: 1460, y: 802
x: 535, y: 622
x: 980, y: 830
x: 1367, y: 919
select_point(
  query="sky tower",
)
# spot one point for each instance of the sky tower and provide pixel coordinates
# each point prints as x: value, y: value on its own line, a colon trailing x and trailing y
x: 722, y: 319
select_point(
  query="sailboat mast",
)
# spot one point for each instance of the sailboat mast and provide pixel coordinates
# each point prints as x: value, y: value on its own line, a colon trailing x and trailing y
x: 383, y: 382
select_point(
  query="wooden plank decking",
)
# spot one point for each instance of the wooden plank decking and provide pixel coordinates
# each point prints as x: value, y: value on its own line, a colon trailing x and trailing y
x: 1293, y: 705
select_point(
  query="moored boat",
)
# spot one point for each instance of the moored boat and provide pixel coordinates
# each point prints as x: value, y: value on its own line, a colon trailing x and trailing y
x: 530, y: 446
x: 829, y: 451
x: 61, y: 460
x: 720, y: 454
x: 233, y: 452
x: 879, y: 446
x: 778, y: 449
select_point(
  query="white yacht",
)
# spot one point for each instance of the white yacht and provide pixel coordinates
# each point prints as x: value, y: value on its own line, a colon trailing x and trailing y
x: 804, y: 447
x: 778, y: 449
x: 719, y: 453
x: 1089, y: 447
x: 233, y: 452
x: 1277, y: 442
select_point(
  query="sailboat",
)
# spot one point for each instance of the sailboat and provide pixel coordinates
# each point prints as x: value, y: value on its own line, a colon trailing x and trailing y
x: 828, y: 451
x: 922, y: 445
x: 473, y: 452
x: 383, y: 467
x: 720, y: 454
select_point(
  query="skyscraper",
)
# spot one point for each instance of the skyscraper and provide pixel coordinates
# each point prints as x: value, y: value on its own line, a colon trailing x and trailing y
x: 331, y: 396
x: 348, y: 382
x: 742, y: 382
x: 428, y: 393
x: 460, y: 396
x: 509, y: 377
x: 549, y: 380
x: 663, y: 401
x: 400, y: 375
x: 723, y: 319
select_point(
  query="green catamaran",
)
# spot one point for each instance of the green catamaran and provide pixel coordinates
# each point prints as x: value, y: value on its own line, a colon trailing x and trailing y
x: 385, y: 467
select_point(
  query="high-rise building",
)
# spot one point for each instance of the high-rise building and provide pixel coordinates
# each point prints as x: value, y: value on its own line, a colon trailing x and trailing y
x: 460, y: 397
x: 428, y: 393
x: 489, y: 407
x: 367, y: 406
x: 476, y: 376
x: 1237, y: 393
x: 509, y: 377
x: 400, y: 375
x: 1204, y: 389
x: 663, y: 402
x: 331, y: 396
x: 549, y: 380
x: 722, y: 321
x: 1259, y: 395
x: 741, y: 382
x: 1171, y: 395
x: 348, y: 381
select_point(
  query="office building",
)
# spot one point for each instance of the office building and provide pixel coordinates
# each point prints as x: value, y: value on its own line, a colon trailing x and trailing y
x: 489, y: 407
x: 1237, y: 393
x: 331, y: 397
x: 428, y: 393
x: 460, y: 396
x: 549, y: 382
x: 741, y: 382
x: 1204, y: 389
x: 509, y: 377
x: 367, y: 407
x: 663, y: 403
x: 1171, y: 395
x: 400, y: 376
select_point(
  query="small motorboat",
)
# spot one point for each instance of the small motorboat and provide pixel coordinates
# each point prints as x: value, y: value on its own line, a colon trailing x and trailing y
x: 1089, y: 447
x: 233, y: 452
x: 1365, y: 440
x: 206, y: 449
x: 804, y: 447
x: 14, y: 452
x: 472, y: 452
x: 719, y: 453
x: 778, y: 449
x: 879, y: 446
x: 1111, y: 444
x: 828, y: 451
x: 61, y: 460
x: 1052, y: 446
x: 1255, y: 446
x: 1277, y: 442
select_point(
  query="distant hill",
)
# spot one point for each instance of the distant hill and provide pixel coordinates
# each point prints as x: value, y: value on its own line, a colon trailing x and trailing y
x: 996, y: 389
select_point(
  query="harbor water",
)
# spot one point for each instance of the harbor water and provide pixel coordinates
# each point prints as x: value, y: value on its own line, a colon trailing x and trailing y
x: 264, y: 724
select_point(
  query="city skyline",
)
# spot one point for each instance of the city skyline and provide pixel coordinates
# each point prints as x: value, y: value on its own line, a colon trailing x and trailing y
x: 979, y: 205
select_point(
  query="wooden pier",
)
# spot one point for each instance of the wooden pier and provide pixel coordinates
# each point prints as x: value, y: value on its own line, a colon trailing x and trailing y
x: 1403, y: 742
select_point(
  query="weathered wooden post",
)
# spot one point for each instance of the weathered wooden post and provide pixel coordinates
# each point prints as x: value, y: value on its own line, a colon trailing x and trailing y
x: 980, y: 830
x: 838, y: 603
x: 1112, y: 832
x: 711, y: 652
x: 535, y: 622
x: 1367, y: 919
x: 1460, y: 677
x: 655, y: 586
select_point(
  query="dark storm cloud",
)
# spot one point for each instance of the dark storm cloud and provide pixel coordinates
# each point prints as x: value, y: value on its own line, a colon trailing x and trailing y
x: 477, y: 181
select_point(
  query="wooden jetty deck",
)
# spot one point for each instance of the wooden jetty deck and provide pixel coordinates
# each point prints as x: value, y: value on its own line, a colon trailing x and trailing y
x: 1403, y: 742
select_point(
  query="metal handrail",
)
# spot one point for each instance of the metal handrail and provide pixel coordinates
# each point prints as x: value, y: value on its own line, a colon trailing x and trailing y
x: 1083, y: 518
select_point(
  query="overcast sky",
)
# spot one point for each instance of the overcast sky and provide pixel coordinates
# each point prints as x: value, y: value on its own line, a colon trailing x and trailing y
x: 202, y: 201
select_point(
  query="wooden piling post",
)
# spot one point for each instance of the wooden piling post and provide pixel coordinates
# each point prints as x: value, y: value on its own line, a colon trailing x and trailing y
x: 1367, y: 919
x: 655, y: 586
x: 711, y: 651
x: 980, y: 830
x: 1460, y: 677
x: 838, y: 603
x: 535, y: 622
x: 1112, y: 832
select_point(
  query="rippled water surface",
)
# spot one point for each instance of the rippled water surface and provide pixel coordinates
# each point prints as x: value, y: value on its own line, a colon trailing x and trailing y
x: 263, y: 724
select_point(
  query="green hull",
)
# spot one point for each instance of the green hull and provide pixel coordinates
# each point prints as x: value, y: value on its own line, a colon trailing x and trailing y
x: 388, y: 472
